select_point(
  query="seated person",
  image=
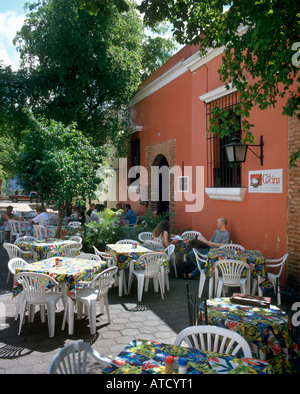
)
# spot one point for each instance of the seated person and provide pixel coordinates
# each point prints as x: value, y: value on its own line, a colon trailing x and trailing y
x: 78, y: 214
x: 5, y: 218
x: 129, y: 214
x: 94, y: 215
x: 42, y: 217
x: 89, y: 211
x: 161, y: 233
x: 220, y: 237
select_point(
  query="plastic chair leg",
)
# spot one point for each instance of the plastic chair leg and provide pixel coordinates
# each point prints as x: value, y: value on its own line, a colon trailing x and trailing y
x: 140, y: 287
x: 51, y: 306
x: 201, y: 284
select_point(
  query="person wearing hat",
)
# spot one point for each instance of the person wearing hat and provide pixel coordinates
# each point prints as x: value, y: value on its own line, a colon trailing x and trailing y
x: 6, y: 217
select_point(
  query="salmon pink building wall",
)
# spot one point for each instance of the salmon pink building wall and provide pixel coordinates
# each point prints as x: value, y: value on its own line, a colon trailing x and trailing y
x: 172, y: 110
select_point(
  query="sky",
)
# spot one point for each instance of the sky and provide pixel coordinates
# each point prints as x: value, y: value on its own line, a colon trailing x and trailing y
x: 12, y: 16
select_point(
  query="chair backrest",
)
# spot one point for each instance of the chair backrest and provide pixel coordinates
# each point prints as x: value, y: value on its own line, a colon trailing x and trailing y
x: 89, y: 256
x: 232, y: 247
x: 146, y: 235
x: 105, y: 280
x: 39, y: 231
x: 169, y: 251
x: 231, y: 271
x: 201, y: 259
x: 127, y: 241
x: 152, y: 262
x: 72, y: 359
x: 274, y: 263
x: 15, y: 263
x: 12, y: 250
x: 76, y: 238
x: 35, y: 285
x: 214, y: 339
x: 153, y: 242
x: 70, y: 250
x: 190, y: 234
x: 74, y: 224
x: 15, y: 226
x: 26, y: 238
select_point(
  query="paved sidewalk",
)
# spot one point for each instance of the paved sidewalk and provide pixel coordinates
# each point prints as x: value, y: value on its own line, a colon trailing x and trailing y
x: 32, y: 351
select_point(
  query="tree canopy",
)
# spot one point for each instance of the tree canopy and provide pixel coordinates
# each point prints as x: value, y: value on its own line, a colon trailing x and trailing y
x: 58, y: 162
x: 81, y: 61
x: 257, y: 60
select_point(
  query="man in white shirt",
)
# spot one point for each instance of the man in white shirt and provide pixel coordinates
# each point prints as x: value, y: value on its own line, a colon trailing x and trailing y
x: 42, y: 217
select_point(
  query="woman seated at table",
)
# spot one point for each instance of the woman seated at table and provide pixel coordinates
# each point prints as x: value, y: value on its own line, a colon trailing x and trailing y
x: 221, y: 236
x: 162, y: 232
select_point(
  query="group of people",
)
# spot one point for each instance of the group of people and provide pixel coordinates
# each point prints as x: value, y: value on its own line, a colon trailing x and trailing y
x: 162, y: 233
x: 41, y: 218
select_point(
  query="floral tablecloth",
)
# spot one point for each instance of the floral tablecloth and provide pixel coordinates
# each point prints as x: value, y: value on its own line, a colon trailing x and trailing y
x: 71, y: 271
x: 41, y: 247
x: 267, y: 331
x: 25, y: 226
x: 147, y: 357
x: 124, y: 253
x: 65, y: 230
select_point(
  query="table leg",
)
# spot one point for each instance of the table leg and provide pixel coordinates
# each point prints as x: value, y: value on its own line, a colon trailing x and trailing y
x: 68, y: 304
x: 211, y: 287
x: 122, y: 283
x: 259, y: 281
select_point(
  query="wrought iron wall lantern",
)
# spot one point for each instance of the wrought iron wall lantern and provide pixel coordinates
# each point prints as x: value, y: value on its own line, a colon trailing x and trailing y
x: 236, y: 151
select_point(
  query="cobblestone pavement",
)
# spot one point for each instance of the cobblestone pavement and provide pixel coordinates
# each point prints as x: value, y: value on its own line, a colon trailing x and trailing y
x: 32, y: 351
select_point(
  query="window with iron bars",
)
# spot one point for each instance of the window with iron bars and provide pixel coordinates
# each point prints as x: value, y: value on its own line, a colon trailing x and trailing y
x: 221, y: 173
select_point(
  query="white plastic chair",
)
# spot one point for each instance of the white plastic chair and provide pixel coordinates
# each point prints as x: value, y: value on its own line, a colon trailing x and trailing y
x: 152, y: 269
x: 231, y: 275
x: 232, y: 247
x: 72, y: 359
x: 15, y: 251
x: 190, y: 234
x: 13, y: 264
x: 128, y: 241
x: 170, y: 253
x: 153, y: 242
x: 214, y: 339
x: 39, y: 231
x: 69, y: 250
x: 35, y: 287
x: 15, y: 229
x: 202, y: 259
x: 31, y: 214
x: 95, y: 290
x: 89, y: 256
x: 74, y: 224
x: 146, y: 235
x: 76, y: 238
x: 111, y: 261
x: 273, y: 278
x: 26, y: 238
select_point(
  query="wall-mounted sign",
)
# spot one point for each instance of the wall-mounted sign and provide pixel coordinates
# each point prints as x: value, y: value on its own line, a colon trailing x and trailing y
x: 265, y: 181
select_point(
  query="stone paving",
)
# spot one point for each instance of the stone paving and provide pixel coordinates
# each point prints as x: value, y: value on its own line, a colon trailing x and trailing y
x: 32, y: 351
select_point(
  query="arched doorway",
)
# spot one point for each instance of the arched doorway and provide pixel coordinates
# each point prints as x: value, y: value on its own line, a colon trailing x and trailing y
x: 160, y: 201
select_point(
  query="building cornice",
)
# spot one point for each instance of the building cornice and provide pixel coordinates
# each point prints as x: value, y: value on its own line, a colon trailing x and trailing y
x: 190, y: 64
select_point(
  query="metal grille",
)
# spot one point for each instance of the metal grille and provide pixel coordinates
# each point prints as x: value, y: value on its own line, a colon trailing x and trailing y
x: 221, y: 173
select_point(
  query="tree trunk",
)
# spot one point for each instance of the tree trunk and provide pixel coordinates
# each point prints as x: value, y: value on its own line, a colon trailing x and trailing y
x: 62, y: 209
